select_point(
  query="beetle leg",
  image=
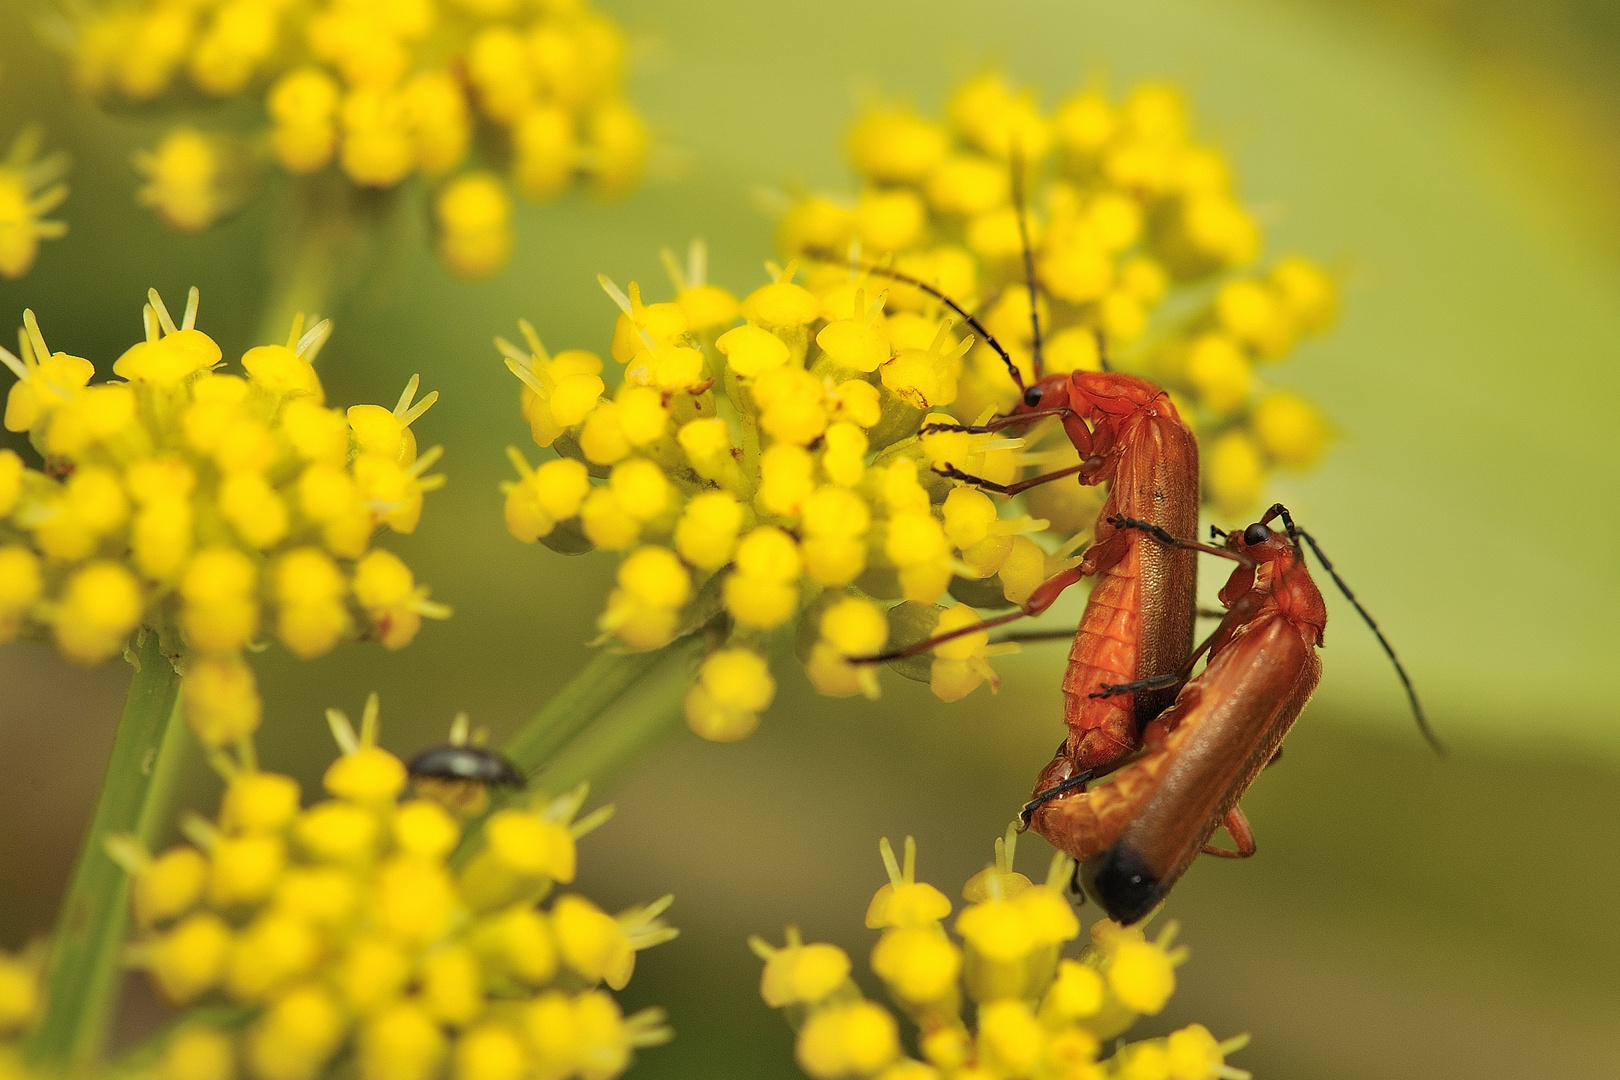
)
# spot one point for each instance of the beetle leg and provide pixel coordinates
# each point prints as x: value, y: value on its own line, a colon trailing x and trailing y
x: 1238, y: 827
x: 1163, y: 536
x: 1152, y: 682
x: 1041, y: 599
x: 1076, y: 894
x: 996, y: 423
x: 951, y: 471
x: 1078, y: 780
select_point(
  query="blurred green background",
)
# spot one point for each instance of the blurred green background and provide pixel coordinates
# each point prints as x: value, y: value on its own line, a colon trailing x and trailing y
x: 1407, y: 917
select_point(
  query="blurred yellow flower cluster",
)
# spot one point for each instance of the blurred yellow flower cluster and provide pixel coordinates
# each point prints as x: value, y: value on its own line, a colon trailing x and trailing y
x: 379, y: 90
x: 1138, y: 240
x: 1037, y: 1014
x: 759, y: 471
x: 206, y: 506
x: 30, y: 188
x: 347, y: 930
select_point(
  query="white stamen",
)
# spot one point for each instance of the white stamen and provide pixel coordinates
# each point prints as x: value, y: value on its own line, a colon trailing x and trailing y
x: 697, y: 263
x: 672, y: 267
x: 342, y: 731
x: 35, y: 338
x: 420, y: 407
x: 162, y: 311
x: 368, y: 720
x: 309, y: 345
x: 615, y: 292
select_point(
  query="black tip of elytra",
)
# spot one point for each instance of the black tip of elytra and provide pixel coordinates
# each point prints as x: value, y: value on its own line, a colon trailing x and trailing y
x: 1120, y: 880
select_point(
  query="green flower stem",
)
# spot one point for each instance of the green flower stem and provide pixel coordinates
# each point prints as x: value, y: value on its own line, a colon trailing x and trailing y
x: 84, y: 970
x: 328, y: 234
x: 602, y: 682
x: 580, y: 735
x: 598, y: 753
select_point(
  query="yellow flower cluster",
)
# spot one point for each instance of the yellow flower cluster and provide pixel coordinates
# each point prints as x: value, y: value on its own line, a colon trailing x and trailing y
x: 206, y: 506
x: 1038, y: 1015
x: 347, y: 930
x: 1130, y: 217
x: 758, y: 471
x: 378, y: 90
x: 30, y: 188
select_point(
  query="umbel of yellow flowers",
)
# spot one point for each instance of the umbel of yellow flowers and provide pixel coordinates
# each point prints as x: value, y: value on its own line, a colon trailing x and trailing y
x: 376, y: 91
x: 211, y: 508
x: 766, y: 466
x: 1035, y: 1012
x: 1139, y: 239
x: 344, y: 929
x: 760, y: 474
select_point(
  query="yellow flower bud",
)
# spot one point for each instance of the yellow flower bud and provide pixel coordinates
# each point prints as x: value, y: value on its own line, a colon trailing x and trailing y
x: 100, y: 606
x: 168, y: 886
x: 190, y: 959
x: 706, y: 533
x: 1289, y: 429
x: 894, y: 146
x: 400, y: 1043
x: 1233, y: 474
x: 258, y: 802
x: 220, y: 700
x: 857, y: 1039
x: 919, y: 964
x: 750, y: 350
x: 198, y: 1053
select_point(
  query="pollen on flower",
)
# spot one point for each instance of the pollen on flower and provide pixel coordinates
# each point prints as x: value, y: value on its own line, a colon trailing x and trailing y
x: 1002, y: 1002
x: 344, y: 929
x: 376, y: 92
x: 207, y: 507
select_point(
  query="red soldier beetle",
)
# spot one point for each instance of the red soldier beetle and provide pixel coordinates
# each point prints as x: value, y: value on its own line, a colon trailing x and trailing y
x: 1138, y: 622
x: 1135, y: 835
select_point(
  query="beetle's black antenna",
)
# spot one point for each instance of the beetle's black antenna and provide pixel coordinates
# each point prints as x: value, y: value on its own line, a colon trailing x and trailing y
x: 1297, y: 534
x: 1029, y: 257
x: 968, y: 317
x: 1102, y: 349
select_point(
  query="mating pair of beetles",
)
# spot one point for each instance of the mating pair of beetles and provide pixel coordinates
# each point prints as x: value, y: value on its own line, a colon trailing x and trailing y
x: 1179, y: 751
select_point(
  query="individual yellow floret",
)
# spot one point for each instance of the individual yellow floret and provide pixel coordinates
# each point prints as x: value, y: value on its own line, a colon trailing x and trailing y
x: 1289, y: 429
x: 474, y: 219
x: 29, y: 189
x: 733, y: 687
x: 762, y: 592
x: 100, y: 606
x: 652, y: 587
x: 185, y: 178
x: 896, y: 146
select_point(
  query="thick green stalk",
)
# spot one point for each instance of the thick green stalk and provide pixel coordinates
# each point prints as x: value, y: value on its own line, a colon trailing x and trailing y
x: 84, y: 970
x: 328, y: 238
x: 598, y: 753
x: 602, y: 682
